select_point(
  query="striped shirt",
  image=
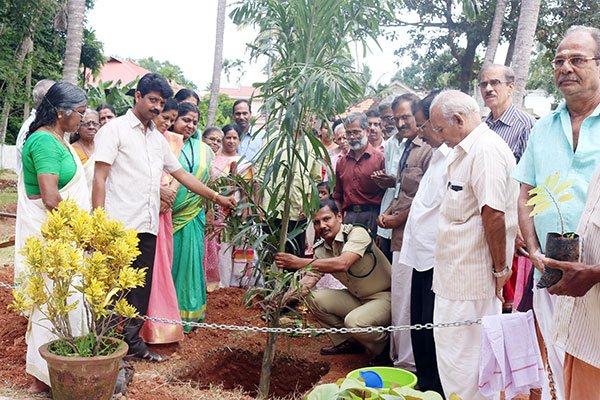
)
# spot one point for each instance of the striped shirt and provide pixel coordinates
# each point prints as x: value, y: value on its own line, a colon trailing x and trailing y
x: 479, y: 171
x: 513, y: 126
x: 577, y: 319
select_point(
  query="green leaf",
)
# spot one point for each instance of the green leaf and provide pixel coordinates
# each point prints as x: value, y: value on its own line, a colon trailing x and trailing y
x: 327, y: 391
x: 537, y: 199
x: 565, y: 197
x: 563, y: 186
x: 540, y: 207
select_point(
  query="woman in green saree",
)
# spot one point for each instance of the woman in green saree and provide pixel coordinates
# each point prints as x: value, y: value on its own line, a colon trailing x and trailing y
x: 189, y: 221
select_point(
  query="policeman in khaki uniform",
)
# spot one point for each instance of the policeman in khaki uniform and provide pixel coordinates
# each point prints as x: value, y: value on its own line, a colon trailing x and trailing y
x: 349, y: 254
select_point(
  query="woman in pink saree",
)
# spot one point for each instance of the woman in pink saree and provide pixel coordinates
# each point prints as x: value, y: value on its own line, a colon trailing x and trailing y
x: 163, y: 298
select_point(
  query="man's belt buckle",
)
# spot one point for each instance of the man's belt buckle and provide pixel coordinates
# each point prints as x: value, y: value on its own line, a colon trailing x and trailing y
x: 357, y: 208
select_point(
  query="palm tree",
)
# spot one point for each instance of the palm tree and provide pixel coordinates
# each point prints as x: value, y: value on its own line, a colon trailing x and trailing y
x: 217, y: 64
x: 528, y: 19
x: 494, y: 39
x: 312, y: 74
x: 75, y: 15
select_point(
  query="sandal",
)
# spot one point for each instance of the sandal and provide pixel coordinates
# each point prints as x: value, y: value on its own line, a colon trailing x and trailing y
x: 146, y: 355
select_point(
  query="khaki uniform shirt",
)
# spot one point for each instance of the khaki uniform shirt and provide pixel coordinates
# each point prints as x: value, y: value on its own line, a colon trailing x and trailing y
x: 361, y: 279
x: 407, y: 184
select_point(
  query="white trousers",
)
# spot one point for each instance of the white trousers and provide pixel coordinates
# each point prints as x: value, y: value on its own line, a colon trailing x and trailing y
x: 543, y: 306
x: 458, y: 348
x: 401, y: 345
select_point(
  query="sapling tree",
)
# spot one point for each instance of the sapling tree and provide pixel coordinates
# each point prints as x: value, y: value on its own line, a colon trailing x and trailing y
x: 312, y: 76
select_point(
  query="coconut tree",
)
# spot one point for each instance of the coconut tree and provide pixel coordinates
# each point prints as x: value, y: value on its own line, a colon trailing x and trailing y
x: 494, y: 39
x: 312, y: 75
x: 528, y: 20
x: 75, y: 16
x: 217, y: 64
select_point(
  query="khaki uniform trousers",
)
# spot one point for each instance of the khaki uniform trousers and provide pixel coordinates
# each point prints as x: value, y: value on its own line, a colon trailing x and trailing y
x: 334, y: 308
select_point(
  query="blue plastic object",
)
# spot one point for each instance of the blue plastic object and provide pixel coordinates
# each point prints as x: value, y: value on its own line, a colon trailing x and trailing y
x: 372, y: 379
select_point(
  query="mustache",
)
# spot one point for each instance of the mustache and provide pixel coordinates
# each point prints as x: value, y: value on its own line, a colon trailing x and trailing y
x: 155, y: 112
x: 570, y: 77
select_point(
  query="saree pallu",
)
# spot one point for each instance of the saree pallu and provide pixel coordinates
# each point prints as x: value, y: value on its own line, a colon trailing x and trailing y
x: 188, y: 235
x: 163, y: 298
x: 31, y: 214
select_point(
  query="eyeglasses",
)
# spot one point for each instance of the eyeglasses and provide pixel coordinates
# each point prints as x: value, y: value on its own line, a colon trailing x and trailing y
x: 355, y: 132
x: 90, y: 124
x: 420, y: 128
x: 493, y: 82
x: 387, y: 117
x: 78, y: 113
x: 576, y: 61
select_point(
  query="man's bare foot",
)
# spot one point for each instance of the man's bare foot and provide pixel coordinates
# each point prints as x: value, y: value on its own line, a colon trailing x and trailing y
x: 38, y: 387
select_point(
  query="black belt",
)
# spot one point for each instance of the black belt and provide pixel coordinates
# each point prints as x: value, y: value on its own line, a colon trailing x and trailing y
x: 362, y: 207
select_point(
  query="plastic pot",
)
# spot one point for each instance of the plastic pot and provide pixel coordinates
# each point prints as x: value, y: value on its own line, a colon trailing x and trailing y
x: 562, y: 248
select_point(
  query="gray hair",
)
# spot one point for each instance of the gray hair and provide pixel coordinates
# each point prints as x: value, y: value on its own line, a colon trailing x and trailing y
x: 89, y: 111
x: 509, y: 74
x: 39, y: 91
x: 455, y: 102
x: 337, y: 128
x: 357, y: 116
x: 384, y: 106
x: 593, y: 32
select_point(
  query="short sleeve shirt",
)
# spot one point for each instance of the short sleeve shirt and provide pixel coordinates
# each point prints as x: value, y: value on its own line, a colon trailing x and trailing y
x: 479, y: 174
x: 392, y: 152
x: 370, y: 274
x: 137, y: 157
x: 44, y: 154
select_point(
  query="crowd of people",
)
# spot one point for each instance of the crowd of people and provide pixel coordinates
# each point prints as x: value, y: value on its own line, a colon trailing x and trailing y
x: 423, y: 216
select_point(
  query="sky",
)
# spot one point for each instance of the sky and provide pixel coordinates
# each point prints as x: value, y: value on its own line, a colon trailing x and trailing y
x: 183, y: 33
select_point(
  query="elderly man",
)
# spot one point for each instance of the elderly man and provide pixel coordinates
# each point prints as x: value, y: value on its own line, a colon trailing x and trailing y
x: 577, y: 314
x: 356, y: 193
x: 349, y: 254
x: 39, y: 91
x: 392, y: 151
x: 496, y: 83
x: 476, y: 233
x: 250, y: 143
x: 565, y: 141
x: 411, y: 168
x: 387, y: 120
x: 418, y: 247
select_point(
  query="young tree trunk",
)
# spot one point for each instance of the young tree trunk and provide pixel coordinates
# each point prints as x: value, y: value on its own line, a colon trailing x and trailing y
x: 466, y: 66
x: 523, y: 44
x: 75, y: 14
x: 494, y: 39
x: 217, y: 64
x: 27, y: 103
x: 25, y: 48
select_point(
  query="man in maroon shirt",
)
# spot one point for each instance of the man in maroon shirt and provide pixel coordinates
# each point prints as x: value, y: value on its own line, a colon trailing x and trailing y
x: 355, y: 191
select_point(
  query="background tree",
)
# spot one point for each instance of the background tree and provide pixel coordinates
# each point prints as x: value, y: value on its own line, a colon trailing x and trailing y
x: 75, y: 17
x: 306, y: 44
x: 523, y: 44
x: 222, y: 113
x: 92, y: 55
x: 166, y: 69
x: 217, y: 64
x: 495, y: 32
x: 235, y: 65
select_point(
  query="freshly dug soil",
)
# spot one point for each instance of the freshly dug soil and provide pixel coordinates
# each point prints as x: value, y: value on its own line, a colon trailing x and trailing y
x: 205, y: 358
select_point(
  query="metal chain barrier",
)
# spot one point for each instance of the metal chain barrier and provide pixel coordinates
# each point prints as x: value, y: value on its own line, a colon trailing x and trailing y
x: 301, y: 331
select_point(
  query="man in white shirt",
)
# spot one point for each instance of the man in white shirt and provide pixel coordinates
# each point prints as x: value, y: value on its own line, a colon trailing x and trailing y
x: 418, y: 247
x: 476, y: 234
x: 39, y: 91
x: 250, y: 144
x: 130, y: 157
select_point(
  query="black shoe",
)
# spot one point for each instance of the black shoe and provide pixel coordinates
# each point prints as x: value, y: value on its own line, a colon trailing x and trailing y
x: 382, y: 359
x: 124, y: 378
x: 347, y: 347
x: 146, y: 355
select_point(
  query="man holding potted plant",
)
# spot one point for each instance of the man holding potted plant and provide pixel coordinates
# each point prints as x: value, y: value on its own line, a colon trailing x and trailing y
x: 565, y: 141
x: 477, y: 227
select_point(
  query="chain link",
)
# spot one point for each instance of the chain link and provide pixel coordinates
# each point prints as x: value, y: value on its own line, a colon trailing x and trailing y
x: 301, y: 331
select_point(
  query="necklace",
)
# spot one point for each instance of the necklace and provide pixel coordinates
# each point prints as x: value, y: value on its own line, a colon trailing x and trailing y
x: 58, y: 137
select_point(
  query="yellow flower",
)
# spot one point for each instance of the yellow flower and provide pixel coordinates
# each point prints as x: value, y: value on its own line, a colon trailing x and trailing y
x: 122, y: 307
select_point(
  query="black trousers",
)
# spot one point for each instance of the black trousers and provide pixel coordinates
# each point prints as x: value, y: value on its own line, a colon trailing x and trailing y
x: 367, y: 218
x: 385, y: 245
x: 140, y: 296
x: 421, y: 312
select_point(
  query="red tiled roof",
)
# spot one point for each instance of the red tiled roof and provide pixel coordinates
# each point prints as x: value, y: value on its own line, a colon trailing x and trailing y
x: 242, y: 92
x: 125, y: 70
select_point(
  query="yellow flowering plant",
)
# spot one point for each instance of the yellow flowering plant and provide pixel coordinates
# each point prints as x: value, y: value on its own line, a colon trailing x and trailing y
x: 79, y: 258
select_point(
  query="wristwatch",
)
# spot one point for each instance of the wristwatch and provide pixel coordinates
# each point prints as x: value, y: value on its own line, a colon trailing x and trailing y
x: 502, y: 273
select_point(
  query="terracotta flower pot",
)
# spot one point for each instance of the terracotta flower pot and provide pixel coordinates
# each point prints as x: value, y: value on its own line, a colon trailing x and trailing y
x: 76, y: 378
x: 562, y: 248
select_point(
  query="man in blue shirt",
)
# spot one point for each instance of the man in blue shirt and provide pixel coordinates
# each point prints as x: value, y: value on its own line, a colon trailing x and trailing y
x: 567, y: 141
x: 250, y: 144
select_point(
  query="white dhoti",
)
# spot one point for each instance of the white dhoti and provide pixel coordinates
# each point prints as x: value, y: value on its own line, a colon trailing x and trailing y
x: 31, y: 214
x: 458, y: 348
x: 401, y: 345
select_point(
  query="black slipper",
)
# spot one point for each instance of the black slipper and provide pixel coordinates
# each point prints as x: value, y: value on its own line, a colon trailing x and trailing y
x: 146, y: 355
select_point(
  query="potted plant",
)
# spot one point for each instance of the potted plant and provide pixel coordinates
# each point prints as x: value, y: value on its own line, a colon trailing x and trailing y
x: 563, y: 246
x: 80, y: 260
